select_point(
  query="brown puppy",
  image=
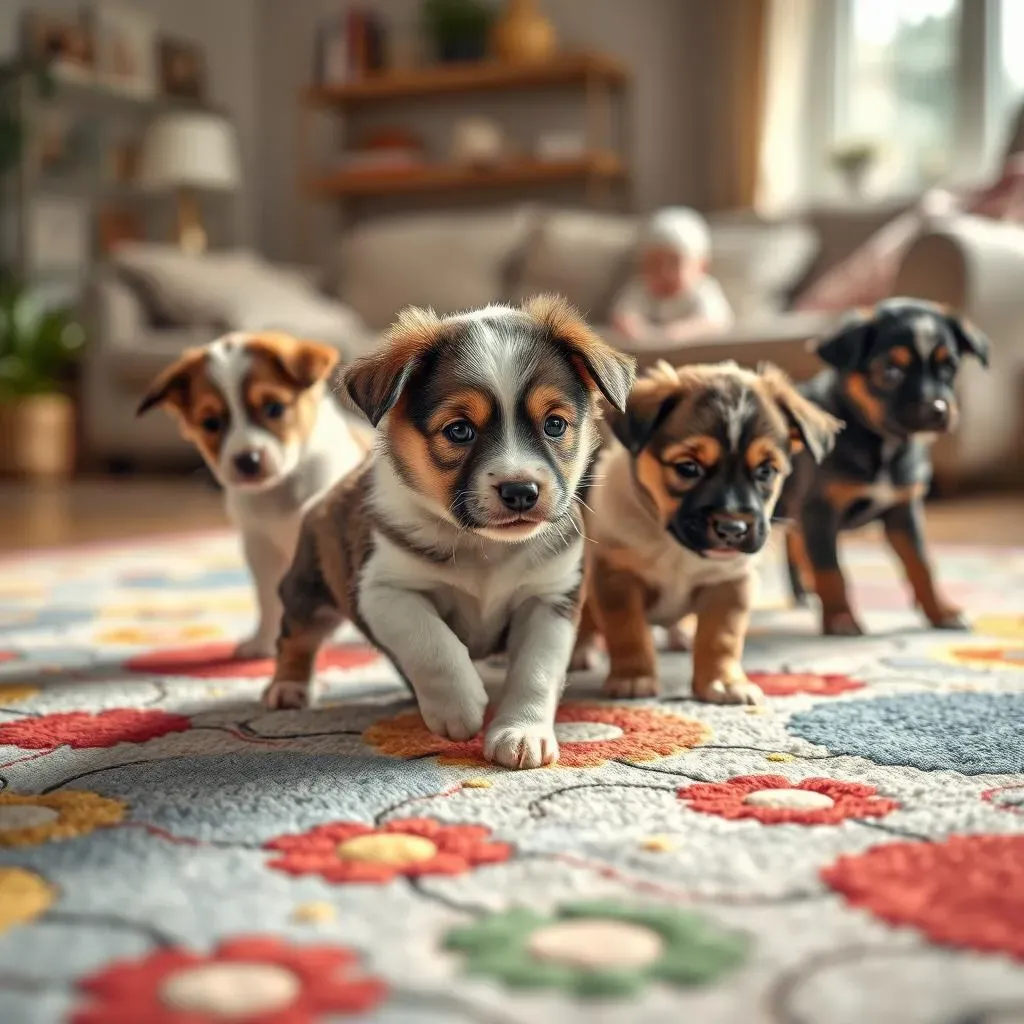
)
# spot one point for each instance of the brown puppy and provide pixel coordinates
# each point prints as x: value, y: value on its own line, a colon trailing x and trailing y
x: 463, y: 537
x: 682, y: 507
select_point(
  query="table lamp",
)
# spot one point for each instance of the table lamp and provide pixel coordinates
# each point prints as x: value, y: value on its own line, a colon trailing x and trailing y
x: 187, y: 152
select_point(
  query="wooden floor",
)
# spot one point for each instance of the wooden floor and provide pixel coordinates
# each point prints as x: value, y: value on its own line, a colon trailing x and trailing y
x: 33, y: 517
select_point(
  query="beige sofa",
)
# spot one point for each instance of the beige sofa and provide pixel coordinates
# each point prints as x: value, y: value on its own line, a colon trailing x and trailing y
x: 458, y: 261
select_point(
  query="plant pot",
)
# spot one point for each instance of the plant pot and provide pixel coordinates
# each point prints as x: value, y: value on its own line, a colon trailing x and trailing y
x: 37, y: 437
x: 522, y: 34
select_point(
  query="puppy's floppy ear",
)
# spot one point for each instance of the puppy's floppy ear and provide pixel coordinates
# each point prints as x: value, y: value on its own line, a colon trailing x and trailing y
x: 375, y: 382
x: 846, y: 348
x: 172, y: 386
x: 809, y: 425
x: 603, y: 367
x: 302, y: 363
x: 652, y: 400
x: 969, y: 340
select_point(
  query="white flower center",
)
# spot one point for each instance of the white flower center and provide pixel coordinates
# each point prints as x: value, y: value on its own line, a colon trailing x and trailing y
x: 231, y: 990
x: 789, y: 799
x: 585, y: 732
x: 596, y: 944
x: 17, y: 816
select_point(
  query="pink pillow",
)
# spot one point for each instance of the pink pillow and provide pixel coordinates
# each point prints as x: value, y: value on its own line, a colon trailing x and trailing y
x: 868, y: 274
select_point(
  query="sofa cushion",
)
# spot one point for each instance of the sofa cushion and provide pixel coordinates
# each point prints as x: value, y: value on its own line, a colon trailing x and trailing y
x: 237, y: 291
x: 447, y: 261
x: 582, y: 255
x: 757, y: 261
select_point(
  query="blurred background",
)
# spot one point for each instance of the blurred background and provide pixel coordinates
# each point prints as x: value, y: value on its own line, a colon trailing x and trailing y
x: 170, y: 169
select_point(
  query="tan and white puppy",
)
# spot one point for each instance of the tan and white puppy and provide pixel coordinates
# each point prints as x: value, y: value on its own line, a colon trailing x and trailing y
x: 463, y: 537
x: 255, y: 407
x: 683, y: 507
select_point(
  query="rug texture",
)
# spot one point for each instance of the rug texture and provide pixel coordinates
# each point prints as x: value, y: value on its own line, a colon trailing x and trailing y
x: 172, y: 854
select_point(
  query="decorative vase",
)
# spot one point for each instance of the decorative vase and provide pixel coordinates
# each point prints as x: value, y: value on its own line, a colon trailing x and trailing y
x: 37, y: 437
x: 522, y: 34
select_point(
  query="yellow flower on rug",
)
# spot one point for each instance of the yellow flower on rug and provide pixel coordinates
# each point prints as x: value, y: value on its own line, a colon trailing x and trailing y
x: 991, y: 656
x: 589, y: 735
x: 27, y: 820
x: 15, y: 693
x: 23, y: 897
x: 139, y: 636
x: 1005, y: 627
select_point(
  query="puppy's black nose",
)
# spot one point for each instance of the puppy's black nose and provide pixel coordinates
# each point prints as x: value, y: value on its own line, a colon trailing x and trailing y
x: 249, y: 463
x: 933, y: 415
x: 518, y: 495
x: 729, y: 530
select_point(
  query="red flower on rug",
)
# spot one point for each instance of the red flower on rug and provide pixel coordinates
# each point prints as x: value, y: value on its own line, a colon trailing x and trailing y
x: 217, y: 661
x: 85, y: 729
x: 775, y: 800
x: 786, y: 684
x: 8, y: 656
x: 967, y: 891
x: 252, y: 980
x: 589, y: 735
x: 350, y: 852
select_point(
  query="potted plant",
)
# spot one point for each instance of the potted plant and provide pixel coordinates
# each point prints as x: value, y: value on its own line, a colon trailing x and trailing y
x: 458, y: 29
x: 854, y: 160
x: 38, y: 348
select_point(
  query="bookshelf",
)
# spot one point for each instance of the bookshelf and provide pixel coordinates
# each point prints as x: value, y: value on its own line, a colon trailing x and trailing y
x: 601, y: 168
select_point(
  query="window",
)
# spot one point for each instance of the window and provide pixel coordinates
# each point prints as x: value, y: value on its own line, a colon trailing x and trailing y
x: 900, y: 88
x: 923, y: 90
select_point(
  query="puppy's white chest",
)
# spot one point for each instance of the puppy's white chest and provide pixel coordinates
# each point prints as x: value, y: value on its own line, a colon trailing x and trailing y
x: 677, y: 574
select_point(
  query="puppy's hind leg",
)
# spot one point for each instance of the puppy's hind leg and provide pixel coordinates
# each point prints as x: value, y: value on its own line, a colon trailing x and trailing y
x: 798, y: 565
x: 310, y: 617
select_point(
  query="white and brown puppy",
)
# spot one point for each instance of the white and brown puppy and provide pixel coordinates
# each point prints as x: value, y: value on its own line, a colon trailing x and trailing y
x: 683, y: 507
x: 463, y: 537
x: 255, y: 406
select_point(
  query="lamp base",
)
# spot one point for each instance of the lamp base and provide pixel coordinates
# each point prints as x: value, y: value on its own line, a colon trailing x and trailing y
x: 191, y: 233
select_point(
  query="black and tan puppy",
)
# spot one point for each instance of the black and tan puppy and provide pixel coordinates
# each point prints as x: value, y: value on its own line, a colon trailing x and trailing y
x: 681, y: 509
x: 890, y: 377
x: 463, y: 537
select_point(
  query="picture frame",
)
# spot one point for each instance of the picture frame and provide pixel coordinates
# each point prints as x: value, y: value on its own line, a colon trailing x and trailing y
x: 182, y: 69
x: 67, y: 41
x: 57, y: 235
x: 125, y: 49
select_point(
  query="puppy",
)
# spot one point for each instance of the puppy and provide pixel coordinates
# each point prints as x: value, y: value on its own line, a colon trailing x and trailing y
x: 683, y: 505
x: 463, y: 537
x: 890, y: 376
x: 255, y: 407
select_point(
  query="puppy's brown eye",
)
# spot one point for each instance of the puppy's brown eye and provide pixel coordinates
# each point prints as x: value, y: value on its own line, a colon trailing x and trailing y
x: 689, y: 470
x: 460, y: 432
x: 273, y: 409
x: 555, y: 426
x: 212, y: 424
x: 765, y: 473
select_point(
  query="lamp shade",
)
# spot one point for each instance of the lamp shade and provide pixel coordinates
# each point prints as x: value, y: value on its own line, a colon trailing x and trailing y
x: 189, y: 149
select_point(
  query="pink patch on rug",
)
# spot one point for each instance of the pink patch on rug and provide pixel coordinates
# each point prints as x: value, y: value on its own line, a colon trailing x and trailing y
x: 216, y: 661
x: 8, y: 656
x: 786, y: 684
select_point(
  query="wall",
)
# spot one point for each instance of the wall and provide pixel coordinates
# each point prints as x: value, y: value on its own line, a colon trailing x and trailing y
x: 227, y: 31
x: 653, y: 37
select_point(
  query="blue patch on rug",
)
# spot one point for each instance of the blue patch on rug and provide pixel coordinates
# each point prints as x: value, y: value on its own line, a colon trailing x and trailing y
x: 971, y: 733
x: 254, y: 797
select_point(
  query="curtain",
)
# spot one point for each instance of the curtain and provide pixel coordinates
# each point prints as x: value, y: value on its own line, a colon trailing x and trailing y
x: 787, y: 42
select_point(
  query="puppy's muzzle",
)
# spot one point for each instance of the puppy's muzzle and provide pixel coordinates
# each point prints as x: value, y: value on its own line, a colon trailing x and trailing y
x: 933, y: 415
x: 518, y: 495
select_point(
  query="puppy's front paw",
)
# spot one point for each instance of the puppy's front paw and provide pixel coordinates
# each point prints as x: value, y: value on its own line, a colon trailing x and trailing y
x: 948, y: 617
x: 255, y: 648
x: 521, y: 746
x: 283, y: 694
x: 840, y: 624
x: 737, y: 691
x: 456, y: 718
x: 630, y: 686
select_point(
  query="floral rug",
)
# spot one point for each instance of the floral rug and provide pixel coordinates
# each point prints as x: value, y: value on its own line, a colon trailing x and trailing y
x: 172, y: 854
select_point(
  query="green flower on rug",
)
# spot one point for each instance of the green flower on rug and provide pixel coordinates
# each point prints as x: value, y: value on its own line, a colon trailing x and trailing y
x: 597, y: 949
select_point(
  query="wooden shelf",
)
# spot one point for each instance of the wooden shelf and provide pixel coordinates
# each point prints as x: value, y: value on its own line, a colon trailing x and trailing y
x: 440, y: 177
x: 489, y: 76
